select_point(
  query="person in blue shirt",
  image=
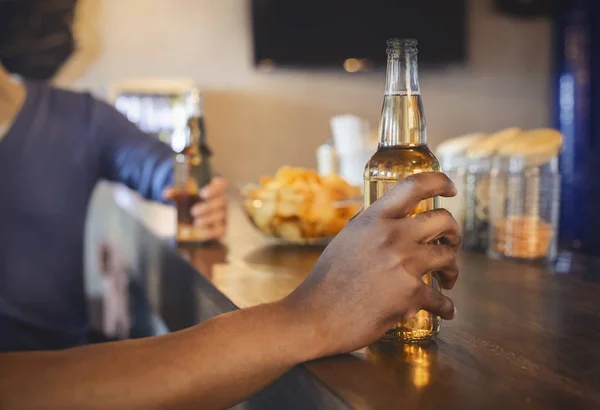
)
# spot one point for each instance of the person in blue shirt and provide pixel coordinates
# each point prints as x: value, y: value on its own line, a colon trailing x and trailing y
x: 55, y: 145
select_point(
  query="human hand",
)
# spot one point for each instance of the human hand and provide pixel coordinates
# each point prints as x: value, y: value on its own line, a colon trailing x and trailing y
x: 370, y: 277
x: 211, y: 213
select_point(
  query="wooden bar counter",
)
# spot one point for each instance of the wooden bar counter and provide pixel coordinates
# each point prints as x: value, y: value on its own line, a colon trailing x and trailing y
x: 523, y: 338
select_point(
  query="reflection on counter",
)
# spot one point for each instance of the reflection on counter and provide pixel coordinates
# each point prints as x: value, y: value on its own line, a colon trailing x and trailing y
x: 407, y: 361
x: 204, y: 258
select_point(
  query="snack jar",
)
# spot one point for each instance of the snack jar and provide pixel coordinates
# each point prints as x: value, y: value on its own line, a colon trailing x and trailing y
x: 479, y: 157
x: 525, y: 210
x: 451, y: 154
x: 455, y: 168
x: 477, y: 202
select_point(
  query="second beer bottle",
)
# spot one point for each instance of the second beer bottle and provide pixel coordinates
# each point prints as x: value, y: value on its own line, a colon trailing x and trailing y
x: 192, y: 170
x: 402, y: 152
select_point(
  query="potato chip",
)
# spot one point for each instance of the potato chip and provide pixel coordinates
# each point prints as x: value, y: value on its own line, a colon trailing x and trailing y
x: 289, y: 230
x: 266, y: 180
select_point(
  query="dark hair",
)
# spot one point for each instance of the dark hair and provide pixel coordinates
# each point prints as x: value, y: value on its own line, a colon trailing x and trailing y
x: 9, y: 10
x: 23, y: 20
x: 36, y: 36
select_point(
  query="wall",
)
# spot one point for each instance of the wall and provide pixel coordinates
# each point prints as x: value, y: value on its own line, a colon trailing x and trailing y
x: 284, y: 115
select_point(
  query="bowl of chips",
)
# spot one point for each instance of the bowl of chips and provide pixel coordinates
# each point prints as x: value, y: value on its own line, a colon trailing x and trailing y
x: 300, y: 207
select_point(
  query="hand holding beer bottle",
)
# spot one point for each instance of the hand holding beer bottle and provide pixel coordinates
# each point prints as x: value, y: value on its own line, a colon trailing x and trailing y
x: 403, y: 152
x: 203, y: 209
x: 199, y: 197
x: 370, y: 277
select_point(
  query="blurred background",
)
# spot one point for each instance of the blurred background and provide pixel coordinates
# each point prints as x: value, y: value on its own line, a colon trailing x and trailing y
x: 503, y: 79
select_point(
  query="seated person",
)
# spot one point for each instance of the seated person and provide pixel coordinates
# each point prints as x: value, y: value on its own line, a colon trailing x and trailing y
x: 55, y: 145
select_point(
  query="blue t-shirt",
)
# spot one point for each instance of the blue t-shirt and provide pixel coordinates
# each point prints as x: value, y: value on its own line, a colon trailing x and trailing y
x: 59, y: 146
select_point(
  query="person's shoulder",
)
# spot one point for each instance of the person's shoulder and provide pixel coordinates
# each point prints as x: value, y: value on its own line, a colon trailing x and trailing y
x: 79, y: 107
x: 69, y: 101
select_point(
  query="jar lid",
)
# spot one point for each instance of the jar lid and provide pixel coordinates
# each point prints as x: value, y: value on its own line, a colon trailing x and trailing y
x: 490, y: 145
x: 536, y: 146
x: 458, y: 145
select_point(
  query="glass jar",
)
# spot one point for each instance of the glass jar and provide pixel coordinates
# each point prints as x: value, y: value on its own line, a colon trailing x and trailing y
x: 525, y: 210
x: 477, y: 201
x: 455, y: 167
x: 453, y: 158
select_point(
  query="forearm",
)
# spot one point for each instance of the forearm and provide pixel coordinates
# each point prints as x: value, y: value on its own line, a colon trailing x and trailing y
x: 213, y: 365
x: 128, y: 155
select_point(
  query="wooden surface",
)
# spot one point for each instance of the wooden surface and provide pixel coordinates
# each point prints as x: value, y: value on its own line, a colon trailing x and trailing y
x: 522, y: 339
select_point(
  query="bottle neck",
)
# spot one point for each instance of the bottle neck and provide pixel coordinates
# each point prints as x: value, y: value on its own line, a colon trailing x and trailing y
x: 402, y: 118
x: 194, y: 102
x: 193, y: 134
x: 402, y: 77
x: 196, y: 131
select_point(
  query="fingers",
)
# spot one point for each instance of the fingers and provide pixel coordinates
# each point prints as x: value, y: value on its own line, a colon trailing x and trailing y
x: 438, y: 224
x: 211, y: 214
x: 437, y: 258
x: 436, y: 303
x: 211, y: 217
x: 448, y: 275
x: 405, y: 196
x: 218, y: 217
x: 202, y: 209
x: 215, y: 199
x: 216, y: 188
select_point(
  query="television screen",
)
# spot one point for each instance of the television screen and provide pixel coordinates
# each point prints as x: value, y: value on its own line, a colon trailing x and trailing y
x: 318, y: 33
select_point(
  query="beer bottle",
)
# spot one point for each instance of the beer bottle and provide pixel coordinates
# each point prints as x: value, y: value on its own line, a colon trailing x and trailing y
x: 403, y: 151
x: 192, y: 169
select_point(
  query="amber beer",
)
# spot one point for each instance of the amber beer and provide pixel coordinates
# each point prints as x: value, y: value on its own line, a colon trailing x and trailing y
x: 185, y: 195
x: 184, y: 201
x: 402, y: 152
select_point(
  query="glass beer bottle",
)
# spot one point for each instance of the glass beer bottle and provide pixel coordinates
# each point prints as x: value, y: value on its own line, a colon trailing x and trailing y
x: 403, y: 151
x: 192, y: 170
